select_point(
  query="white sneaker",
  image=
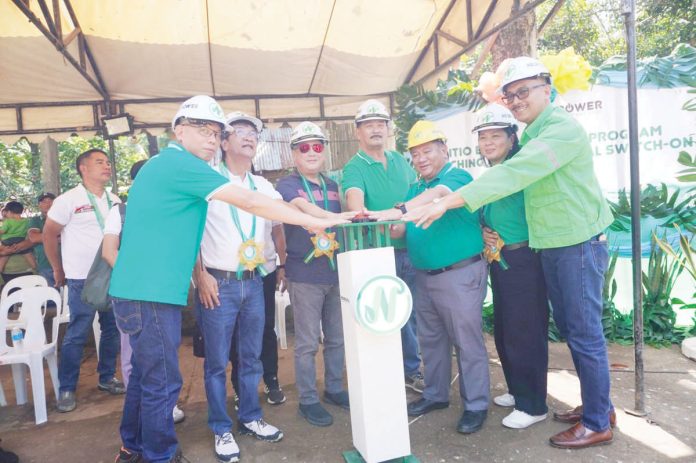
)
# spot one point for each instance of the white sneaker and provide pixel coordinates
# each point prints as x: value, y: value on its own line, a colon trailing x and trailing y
x: 226, y: 449
x: 261, y: 430
x: 505, y: 400
x: 178, y: 415
x: 520, y: 420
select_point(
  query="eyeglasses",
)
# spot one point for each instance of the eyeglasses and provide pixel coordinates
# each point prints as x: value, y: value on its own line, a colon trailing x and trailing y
x: 205, y: 131
x: 244, y: 132
x: 305, y: 147
x: 521, y: 94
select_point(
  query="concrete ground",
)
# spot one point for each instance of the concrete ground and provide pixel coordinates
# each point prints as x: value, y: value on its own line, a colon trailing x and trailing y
x: 90, y: 433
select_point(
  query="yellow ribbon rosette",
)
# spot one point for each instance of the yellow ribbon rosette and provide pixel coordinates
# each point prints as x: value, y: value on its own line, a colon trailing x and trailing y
x: 568, y: 70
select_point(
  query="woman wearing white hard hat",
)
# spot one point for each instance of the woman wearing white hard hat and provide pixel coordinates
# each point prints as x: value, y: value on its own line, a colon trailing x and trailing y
x: 521, y: 310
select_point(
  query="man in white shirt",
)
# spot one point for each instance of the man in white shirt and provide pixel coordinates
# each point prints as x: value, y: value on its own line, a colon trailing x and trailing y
x: 229, y: 284
x: 78, y: 216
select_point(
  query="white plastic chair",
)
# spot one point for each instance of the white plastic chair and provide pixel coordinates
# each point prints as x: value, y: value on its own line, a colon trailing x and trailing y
x: 282, y: 301
x: 27, y: 281
x: 34, y: 349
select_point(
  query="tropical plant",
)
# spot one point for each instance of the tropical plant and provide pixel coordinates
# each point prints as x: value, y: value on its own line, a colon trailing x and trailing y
x: 657, y: 202
x: 618, y: 327
x: 414, y: 103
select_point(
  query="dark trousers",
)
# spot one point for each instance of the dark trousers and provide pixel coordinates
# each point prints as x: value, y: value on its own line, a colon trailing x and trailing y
x: 269, y: 349
x: 521, y: 323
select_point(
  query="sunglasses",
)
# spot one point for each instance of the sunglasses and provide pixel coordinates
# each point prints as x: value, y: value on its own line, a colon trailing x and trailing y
x: 305, y: 147
x: 521, y: 94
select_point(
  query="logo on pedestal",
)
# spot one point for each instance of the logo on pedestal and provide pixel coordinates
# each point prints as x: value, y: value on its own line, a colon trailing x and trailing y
x: 383, y: 304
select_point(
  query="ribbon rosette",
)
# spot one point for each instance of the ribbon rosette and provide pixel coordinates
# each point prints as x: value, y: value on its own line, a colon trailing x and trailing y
x: 568, y: 70
x: 251, y: 254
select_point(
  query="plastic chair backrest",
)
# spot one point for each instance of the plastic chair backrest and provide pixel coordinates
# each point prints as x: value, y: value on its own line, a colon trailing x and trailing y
x: 26, y: 281
x: 32, y: 300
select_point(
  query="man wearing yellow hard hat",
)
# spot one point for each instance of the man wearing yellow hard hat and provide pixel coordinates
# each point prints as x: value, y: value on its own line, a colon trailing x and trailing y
x: 450, y: 283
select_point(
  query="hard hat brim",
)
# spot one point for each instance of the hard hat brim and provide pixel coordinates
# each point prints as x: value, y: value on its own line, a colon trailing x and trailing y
x: 491, y: 126
x: 373, y: 117
x: 252, y: 120
x: 308, y: 138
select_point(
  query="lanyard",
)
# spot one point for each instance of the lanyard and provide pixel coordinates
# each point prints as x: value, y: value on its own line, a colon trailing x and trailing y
x: 233, y: 210
x: 310, y: 194
x: 95, y: 207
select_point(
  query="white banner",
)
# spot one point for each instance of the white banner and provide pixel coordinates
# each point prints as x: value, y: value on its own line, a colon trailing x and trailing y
x: 665, y: 129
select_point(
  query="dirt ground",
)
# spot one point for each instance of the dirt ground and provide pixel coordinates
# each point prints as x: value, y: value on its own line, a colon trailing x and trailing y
x: 90, y: 433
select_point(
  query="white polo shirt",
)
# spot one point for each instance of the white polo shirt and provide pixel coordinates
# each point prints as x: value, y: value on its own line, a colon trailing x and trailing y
x: 269, y: 250
x: 81, y: 233
x: 221, y: 239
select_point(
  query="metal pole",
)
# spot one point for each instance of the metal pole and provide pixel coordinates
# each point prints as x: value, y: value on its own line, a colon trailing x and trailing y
x: 629, y: 12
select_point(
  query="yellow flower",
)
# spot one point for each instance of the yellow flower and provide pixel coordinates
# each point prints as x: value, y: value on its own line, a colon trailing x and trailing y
x: 568, y: 70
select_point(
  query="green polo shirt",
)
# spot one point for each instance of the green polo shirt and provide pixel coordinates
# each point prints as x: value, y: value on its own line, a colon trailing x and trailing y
x: 563, y: 201
x: 454, y: 237
x: 506, y: 216
x: 42, y: 262
x: 167, y: 207
x: 383, y: 188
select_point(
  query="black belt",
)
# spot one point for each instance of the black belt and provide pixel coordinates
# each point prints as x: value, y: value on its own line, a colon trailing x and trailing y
x: 460, y: 264
x: 513, y: 246
x: 228, y: 275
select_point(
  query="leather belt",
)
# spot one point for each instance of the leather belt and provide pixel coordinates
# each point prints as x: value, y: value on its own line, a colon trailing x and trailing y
x: 513, y: 246
x: 460, y: 264
x: 228, y: 275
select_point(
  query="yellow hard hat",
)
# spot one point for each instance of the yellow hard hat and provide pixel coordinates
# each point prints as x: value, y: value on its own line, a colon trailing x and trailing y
x: 423, y: 132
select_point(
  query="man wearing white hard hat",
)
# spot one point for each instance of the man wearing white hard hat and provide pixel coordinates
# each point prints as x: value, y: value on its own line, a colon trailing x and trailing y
x: 312, y: 277
x: 164, y: 224
x: 229, y: 290
x: 377, y: 179
x: 567, y: 215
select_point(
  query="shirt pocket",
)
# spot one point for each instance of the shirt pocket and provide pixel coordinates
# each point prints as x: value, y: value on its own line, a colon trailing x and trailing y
x: 548, y: 213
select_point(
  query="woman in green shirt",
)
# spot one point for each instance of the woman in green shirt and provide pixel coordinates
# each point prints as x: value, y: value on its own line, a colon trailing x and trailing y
x: 521, y: 311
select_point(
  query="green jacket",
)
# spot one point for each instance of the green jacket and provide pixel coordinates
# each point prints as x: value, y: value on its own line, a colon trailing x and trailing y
x: 563, y: 201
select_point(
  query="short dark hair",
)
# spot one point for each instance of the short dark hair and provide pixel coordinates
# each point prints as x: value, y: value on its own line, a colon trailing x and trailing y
x: 15, y: 207
x: 135, y: 168
x: 86, y: 154
x: 43, y: 196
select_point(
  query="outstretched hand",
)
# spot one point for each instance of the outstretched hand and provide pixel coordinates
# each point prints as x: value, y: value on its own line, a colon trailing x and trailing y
x: 423, y: 216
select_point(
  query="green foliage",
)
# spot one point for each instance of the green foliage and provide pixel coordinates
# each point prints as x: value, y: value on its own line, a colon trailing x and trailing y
x: 659, y: 203
x: 618, y: 327
x: 660, y: 26
x: 658, y: 315
x: 21, y: 167
x: 414, y: 103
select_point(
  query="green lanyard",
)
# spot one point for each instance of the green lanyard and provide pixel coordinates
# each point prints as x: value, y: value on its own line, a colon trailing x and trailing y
x: 233, y: 210
x: 235, y: 218
x: 310, y: 255
x: 310, y: 194
x: 95, y: 207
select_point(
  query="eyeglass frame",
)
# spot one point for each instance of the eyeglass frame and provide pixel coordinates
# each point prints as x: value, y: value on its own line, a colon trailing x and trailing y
x: 518, y: 94
x: 204, y: 130
x: 247, y: 131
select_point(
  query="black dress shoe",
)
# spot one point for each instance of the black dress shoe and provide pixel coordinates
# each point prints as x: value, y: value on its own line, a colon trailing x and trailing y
x: 471, y: 421
x: 422, y: 406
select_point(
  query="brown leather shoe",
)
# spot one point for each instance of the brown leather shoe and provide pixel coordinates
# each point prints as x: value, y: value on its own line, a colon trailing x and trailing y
x: 575, y: 415
x: 579, y: 437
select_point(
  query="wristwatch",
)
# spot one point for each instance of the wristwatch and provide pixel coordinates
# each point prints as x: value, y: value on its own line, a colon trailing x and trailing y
x: 401, y: 207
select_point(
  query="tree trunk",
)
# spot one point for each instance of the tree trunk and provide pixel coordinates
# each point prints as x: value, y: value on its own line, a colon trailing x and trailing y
x: 517, y: 39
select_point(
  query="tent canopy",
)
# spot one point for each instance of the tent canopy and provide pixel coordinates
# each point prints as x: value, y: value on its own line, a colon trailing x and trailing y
x: 65, y: 64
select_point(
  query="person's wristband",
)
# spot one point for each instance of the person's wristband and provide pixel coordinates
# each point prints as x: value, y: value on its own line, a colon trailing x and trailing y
x: 280, y: 266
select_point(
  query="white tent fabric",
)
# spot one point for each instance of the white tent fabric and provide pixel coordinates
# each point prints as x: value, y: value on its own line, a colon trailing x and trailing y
x: 149, y: 55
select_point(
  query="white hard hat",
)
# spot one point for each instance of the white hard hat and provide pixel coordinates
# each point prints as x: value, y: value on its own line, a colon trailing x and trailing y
x: 493, y: 116
x: 522, y: 67
x: 372, y: 110
x: 307, y: 131
x: 201, y: 107
x: 237, y: 116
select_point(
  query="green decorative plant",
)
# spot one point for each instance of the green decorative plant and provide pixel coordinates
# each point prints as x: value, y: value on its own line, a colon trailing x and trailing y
x: 618, y: 327
x: 675, y: 208
x: 414, y: 103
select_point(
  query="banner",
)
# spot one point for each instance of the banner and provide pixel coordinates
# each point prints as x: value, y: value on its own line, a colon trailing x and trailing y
x: 665, y: 129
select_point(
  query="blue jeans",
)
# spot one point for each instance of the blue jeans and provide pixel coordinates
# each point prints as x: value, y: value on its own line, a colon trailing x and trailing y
x: 147, y: 425
x: 240, y: 302
x: 574, y: 279
x: 409, y: 341
x: 80, y: 325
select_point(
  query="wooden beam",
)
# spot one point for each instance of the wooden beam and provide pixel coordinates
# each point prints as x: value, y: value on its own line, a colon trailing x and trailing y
x: 56, y: 20
x: 483, y: 55
x: 71, y: 36
x: 486, y: 17
x: 452, y: 38
x: 516, y: 15
x: 469, y: 22
x: 436, y: 50
x: 424, y: 51
x: 47, y: 16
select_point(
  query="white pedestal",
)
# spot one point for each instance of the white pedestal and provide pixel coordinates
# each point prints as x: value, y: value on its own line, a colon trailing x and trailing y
x: 374, y: 363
